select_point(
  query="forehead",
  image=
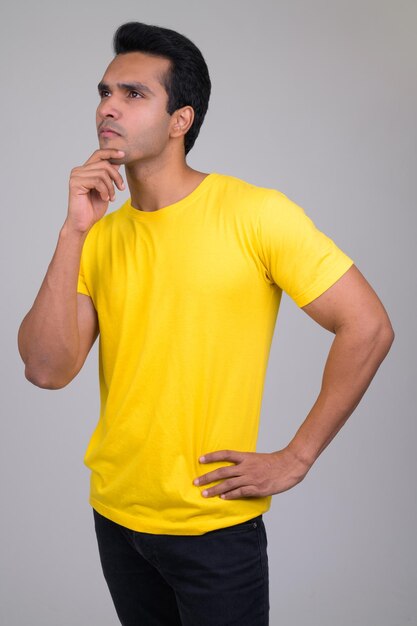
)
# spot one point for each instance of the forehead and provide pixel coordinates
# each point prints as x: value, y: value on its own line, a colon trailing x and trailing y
x: 136, y: 66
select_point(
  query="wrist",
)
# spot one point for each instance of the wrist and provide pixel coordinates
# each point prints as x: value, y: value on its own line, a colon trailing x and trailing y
x: 301, y: 455
x: 69, y: 231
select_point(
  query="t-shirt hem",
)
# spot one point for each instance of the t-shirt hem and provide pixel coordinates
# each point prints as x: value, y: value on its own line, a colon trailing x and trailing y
x: 194, y: 528
x: 325, y: 282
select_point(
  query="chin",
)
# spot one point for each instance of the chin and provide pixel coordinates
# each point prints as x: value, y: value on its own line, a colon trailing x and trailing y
x: 118, y: 161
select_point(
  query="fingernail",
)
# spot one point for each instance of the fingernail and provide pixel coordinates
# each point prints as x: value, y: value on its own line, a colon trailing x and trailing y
x: 202, y: 459
x: 196, y: 481
x: 120, y: 152
x: 205, y: 493
x: 122, y: 185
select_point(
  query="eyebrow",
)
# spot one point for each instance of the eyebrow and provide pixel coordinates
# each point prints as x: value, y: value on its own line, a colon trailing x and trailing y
x: 135, y: 86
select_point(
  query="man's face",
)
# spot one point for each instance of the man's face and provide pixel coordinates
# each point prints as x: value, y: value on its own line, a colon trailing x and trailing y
x: 133, y: 104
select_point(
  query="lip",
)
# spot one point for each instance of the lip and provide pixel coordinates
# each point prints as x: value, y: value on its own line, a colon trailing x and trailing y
x: 108, y: 132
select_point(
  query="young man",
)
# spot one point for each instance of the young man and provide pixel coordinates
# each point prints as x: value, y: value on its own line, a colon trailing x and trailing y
x: 183, y: 284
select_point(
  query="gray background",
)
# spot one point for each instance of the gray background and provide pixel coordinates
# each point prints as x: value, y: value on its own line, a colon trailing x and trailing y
x: 315, y: 98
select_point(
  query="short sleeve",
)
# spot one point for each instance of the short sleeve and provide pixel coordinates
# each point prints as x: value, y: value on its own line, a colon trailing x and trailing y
x: 298, y: 257
x: 82, y: 285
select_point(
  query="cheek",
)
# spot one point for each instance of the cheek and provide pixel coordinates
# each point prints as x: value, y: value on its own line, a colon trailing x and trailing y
x: 151, y: 129
x: 154, y: 118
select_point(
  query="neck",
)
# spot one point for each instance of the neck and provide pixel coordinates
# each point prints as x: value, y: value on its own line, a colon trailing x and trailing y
x: 153, y: 187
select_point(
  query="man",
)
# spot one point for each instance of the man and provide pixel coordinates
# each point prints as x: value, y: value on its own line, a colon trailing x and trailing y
x: 183, y: 285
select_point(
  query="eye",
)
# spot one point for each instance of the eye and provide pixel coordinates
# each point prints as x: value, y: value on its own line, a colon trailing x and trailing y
x: 103, y: 93
x: 134, y: 94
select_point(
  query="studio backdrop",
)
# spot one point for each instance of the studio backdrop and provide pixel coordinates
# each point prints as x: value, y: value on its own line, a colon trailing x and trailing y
x: 317, y: 99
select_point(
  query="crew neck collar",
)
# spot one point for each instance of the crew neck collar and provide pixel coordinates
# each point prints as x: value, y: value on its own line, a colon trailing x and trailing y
x: 150, y: 216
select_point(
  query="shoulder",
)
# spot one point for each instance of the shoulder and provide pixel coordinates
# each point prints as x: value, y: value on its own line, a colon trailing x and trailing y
x: 232, y: 184
x: 245, y: 193
x: 106, y: 224
x: 102, y: 232
x: 264, y: 203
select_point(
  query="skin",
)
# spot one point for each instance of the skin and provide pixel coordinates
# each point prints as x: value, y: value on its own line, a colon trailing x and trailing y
x: 58, y: 332
x: 153, y: 141
x: 60, y: 328
x: 363, y: 335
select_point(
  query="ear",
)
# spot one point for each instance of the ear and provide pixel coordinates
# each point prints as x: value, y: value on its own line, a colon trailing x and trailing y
x: 182, y: 120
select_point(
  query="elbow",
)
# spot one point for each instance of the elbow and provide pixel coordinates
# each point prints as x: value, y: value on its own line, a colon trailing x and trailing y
x: 371, y: 334
x: 382, y: 335
x: 45, y: 379
x: 387, y: 336
x: 385, y: 331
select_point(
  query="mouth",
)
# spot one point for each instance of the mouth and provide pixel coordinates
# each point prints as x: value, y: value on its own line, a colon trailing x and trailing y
x: 108, y: 132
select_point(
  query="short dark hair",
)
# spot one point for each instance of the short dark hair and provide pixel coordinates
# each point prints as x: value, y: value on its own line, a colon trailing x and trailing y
x: 187, y: 83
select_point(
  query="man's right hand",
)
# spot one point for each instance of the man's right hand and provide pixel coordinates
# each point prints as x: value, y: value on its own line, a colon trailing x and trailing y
x: 91, y: 187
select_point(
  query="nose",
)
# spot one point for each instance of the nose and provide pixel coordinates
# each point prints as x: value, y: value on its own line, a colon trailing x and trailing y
x: 108, y: 108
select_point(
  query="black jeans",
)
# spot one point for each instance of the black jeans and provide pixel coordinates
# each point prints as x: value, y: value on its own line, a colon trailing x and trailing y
x: 216, y: 579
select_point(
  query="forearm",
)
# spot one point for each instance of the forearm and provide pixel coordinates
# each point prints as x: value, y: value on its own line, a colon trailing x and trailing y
x: 48, y: 336
x: 353, y: 360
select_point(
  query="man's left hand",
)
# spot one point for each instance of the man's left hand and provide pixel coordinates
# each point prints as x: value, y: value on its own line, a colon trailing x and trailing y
x: 253, y: 475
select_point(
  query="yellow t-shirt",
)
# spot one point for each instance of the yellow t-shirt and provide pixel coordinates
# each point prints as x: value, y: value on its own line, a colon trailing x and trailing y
x: 187, y: 299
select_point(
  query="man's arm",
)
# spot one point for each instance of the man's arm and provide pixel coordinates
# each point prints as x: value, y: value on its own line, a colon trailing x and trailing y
x: 363, y: 336
x: 58, y: 332
x: 60, y: 328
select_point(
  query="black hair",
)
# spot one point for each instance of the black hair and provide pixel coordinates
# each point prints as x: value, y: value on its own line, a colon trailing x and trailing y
x: 187, y: 82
